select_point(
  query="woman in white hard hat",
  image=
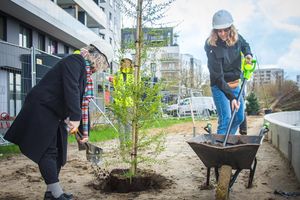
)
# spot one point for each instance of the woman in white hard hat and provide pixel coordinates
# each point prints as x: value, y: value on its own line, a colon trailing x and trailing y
x: 40, y: 128
x: 223, y: 49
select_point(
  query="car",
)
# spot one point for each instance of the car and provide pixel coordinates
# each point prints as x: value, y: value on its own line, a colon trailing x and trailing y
x: 199, y: 105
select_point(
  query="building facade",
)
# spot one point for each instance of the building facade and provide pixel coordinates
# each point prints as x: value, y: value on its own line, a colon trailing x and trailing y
x: 268, y: 76
x: 112, y: 32
x: 163, y: 59
x: 33, y: 33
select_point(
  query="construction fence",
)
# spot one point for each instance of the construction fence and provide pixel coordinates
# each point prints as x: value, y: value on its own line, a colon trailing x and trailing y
x: 22, y: 68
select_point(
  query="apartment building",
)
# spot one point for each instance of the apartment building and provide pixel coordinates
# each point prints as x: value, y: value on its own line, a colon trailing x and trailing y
x: 164, y: 60
x: 54, y: 28
x: 268, y: 76
x: 191, y: 70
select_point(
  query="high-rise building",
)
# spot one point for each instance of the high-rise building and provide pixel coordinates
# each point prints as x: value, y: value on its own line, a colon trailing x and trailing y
x: 112, y: 32
x: 268, y: 76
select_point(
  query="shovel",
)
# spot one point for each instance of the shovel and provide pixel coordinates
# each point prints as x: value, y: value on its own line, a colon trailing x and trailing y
x: 93, y: 153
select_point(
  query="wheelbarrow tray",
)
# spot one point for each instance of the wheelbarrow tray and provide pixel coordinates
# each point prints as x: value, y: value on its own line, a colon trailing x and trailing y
x: 239, y: 152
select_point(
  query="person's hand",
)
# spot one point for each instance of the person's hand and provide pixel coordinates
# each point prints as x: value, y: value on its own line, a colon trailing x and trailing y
x: 73, y: 125
x: 83, y: 140
x: 235, y: 105
x: 248, y: 59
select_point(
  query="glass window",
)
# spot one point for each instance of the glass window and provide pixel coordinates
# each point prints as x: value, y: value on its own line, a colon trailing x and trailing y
x: 15, y: 102
x: 41, y: 42
x: 66, y: 49
x: 82, y: 17
x: 25, y: 39
x: 2, y: 28
x: 52, y: 47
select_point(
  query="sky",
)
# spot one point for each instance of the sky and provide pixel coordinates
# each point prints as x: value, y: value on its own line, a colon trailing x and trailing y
x: 271, y: 27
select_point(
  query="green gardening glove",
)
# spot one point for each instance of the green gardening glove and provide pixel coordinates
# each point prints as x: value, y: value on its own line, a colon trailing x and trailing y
x: 247, y: 68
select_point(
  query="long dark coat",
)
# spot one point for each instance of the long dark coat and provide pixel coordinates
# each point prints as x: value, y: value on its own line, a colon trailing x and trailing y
x: 57, y: 96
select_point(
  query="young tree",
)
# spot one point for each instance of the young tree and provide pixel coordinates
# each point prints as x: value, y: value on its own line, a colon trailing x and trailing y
x: 146, y: 98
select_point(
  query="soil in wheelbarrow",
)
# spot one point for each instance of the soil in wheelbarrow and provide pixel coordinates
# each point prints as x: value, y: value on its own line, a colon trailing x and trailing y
x: 119, y: 181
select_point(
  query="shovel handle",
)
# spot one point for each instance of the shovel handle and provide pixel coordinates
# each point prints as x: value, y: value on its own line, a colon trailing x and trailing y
x: 233, y: 113
x: 78, y: 134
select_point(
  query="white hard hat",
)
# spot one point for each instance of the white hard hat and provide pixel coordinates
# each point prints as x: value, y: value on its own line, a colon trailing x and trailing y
x: 104, y: 48
x: 222, y: 19
x: 127, y: 56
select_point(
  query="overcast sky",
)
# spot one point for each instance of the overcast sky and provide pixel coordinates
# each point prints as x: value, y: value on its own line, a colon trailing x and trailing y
x: 271, y: 27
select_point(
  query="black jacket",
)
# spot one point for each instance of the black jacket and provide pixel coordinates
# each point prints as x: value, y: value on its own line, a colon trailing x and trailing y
x: 57, y: 96
x: 224, y: 63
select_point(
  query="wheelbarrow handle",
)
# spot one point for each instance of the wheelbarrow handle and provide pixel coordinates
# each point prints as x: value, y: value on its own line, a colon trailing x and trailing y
x: 207, y: 128
x: 264, y: 129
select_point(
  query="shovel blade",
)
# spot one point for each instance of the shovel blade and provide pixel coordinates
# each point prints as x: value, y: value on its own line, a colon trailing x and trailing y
x: 93, y: 153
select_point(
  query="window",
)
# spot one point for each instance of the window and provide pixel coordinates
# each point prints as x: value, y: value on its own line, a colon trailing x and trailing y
x: 2, y: 28
x: 41, y: 42
x: 82, y: 17
x: 15, y: 103
x: 171, y: 66
x: 25, y: 39
x: 52, y: 47
x: 66, y: 49
x: 96, y: 2
x: 110, y: 40
x: 102, y: 8
x: 110, y: 21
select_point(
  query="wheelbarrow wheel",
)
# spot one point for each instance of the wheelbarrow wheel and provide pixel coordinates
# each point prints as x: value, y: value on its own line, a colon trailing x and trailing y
x: 222, y: 191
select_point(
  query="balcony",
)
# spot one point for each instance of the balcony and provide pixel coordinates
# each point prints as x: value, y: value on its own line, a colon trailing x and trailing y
x: 169, y: 57
x: 50, y: 18
x: 95, y: 17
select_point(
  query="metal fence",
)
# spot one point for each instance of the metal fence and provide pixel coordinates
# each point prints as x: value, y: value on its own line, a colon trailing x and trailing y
x: 21, y: 68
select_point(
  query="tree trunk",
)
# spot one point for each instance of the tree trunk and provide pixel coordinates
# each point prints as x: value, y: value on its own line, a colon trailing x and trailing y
x: 136, y: 82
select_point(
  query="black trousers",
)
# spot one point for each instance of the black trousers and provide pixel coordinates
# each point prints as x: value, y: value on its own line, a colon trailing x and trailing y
x: 51, y: 162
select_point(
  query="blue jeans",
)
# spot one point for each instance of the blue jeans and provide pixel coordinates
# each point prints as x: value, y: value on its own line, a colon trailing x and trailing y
x: 224, y: 110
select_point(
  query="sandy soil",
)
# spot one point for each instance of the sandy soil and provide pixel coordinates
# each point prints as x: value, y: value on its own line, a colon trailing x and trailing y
x: 20, y: 178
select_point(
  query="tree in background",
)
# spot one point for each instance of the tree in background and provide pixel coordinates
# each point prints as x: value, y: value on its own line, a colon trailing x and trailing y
x: 281, y: 95
x: 252, y: 105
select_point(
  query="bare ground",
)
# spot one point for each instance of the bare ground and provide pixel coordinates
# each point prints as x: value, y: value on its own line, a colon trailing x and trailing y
x: 20, y: 178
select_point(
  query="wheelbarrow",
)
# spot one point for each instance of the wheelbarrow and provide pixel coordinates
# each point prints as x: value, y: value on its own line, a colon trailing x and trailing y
x: 238, y: 154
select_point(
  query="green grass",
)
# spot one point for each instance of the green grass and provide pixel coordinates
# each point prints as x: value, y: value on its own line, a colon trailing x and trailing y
x: 100, y: 133
x: 163, y: 123
x: 8, y: 150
